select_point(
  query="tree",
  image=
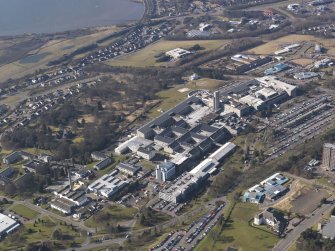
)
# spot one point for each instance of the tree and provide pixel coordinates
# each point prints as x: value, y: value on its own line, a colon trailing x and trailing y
x: 57, y: 234
x: 10, y: 189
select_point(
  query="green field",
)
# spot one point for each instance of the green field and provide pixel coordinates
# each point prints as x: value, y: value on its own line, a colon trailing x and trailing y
x: 116, y: 213
x: 238, y: 233
x: 24, y: 211
x: 146, y: 56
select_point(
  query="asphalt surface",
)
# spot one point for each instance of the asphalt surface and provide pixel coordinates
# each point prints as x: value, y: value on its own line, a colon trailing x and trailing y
x: 291, y: 237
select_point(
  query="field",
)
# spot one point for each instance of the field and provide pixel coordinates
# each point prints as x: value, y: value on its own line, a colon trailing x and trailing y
x: 238, y: 233
x: 117, y: 213
x: 146, y: 56
x: 174, y: 95
x: 38, y: 58
x: 24, y: 211
x: 274, y: 45
x: 302, y: 61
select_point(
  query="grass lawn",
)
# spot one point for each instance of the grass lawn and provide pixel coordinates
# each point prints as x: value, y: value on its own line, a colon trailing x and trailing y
x: 271, y: 46
x: 36, y: 151
x: 147, y: 164
x: 146, y: 56
x: 117, y: 213
x: 24, y: 211
x: 238, y: 233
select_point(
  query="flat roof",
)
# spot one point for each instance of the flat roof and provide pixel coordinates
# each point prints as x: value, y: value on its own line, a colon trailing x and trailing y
x: 6, y: 223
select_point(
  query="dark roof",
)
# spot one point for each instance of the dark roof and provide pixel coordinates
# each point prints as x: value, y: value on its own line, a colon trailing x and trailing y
x: 145, y: 150
x: 180, y: 109
x: 163, y: 139
x: 129, y: 167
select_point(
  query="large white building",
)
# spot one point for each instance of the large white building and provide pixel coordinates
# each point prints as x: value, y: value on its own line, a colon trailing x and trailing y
x: 278, y: 85
x: 178, y: 53
x: 107, y: 186
x: 7, y: 225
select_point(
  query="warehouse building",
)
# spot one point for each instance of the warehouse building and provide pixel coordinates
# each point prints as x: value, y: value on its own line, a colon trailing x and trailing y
x: 178, y: 53
x: 271, y: 188
x: 107, y: 186
x: 7, y: 225
x: 128, y: 169
x: 188, y: 183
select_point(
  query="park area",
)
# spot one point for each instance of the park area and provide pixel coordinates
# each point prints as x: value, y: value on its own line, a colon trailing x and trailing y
x: 238, y: 233
x: 60, y: 234
x: 146, y: 56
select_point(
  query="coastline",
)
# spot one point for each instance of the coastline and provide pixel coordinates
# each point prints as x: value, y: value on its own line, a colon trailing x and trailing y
x: 84, y: 30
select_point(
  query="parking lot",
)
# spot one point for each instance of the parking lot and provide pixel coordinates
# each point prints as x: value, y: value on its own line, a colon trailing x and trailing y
x: 300, y: 123
x: 187, y: 239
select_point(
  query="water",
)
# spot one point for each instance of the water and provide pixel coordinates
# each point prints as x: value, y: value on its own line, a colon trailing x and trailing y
x: 49, y: 16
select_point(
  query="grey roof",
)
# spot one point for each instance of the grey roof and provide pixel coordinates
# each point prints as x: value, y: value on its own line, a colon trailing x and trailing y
x: 179, y: 109
x: 129, y: 167
x: 164, y: 139
x: 145, y: 150
x: 328, y: 230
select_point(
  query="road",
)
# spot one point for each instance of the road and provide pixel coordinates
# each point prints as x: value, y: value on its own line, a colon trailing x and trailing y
x: 96, y: 245
x: 291, y: 237
x: 49, y: 213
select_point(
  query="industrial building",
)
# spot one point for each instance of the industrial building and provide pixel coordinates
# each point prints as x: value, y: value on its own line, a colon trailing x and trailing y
x: 7, y: 225
x: 241, y: 63
x: 128, y: 169
x: 103, y: 163
x: 287, y: 49
x: 98, y: 156
x: 108, y: 185
x: 328, y: 230
x: 271, y: 189
x: 245, y: 97
x: 147, y: 153
x: 17, y: 156
x: 67, y: 199
x: 305, y: 75
x: 276, y: 69
x: 165, y: 171
x: 178, y: 53
x: 187, y: 184
x: 328, y: 157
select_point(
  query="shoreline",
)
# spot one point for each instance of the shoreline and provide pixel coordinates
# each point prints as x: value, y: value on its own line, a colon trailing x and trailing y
x: 92, y: 29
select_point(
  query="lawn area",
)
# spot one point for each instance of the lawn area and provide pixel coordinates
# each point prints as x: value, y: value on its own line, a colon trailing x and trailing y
x: 24, y: 211
x: 238, y: 233
x: 271, y: 46
x: 36, y: 151
x: 117, y: 213
x: 146, y: 56
x: 147, y: 164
